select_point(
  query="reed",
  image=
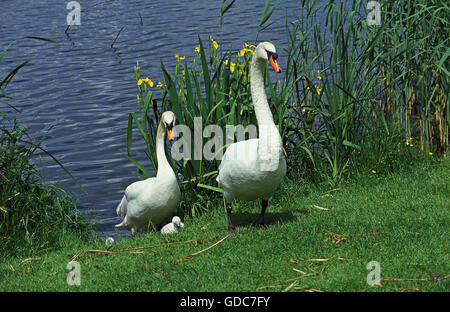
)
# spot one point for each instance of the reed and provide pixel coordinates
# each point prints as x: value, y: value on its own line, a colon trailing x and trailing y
x: 362, y: 89
x: 418, y: 102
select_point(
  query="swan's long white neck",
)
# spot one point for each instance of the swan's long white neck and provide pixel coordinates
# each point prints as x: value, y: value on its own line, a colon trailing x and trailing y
x: 269, y: 147
x: 164, y: 168
x: 262, y: 110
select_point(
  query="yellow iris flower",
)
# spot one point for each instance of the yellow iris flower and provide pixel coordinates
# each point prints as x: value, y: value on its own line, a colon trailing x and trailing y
x: 232, y: 65
x: 179, y: 58
x: 147, y: 80
x: 215, y: 44
x: 247, y: 48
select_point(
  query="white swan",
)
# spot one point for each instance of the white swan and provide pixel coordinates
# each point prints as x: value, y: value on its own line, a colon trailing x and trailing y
x: 156, y: 199
x: 254, y: 168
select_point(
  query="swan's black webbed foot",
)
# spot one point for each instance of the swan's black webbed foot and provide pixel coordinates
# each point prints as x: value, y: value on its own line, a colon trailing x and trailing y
x: 231, y: 227
x: 260, y: 221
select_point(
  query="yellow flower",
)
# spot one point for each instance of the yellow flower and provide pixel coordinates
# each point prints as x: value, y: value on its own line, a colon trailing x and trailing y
x: 232, y: 65
x: 408, y: 141
x: 373, y: 171
x: 150, y: 83
x: 215, y: 44
x: 197, y: 49
x: 430, y: 153
x: 179, y: 58
x: 159, y: 85
x: 147, y: 80
x: 136, y: 68
x: 247, y: 48
x: 318, y: 90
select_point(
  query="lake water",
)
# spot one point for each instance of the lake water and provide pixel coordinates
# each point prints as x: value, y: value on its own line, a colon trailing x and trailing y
x: 85, y: 89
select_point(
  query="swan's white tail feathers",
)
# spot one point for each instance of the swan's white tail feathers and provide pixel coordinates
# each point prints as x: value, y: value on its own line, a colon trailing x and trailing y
x: 122, y: 212
x: 122, y: 208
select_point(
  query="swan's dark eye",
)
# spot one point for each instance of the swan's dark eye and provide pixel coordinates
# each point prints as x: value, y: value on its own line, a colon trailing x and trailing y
x: 274, y: 55
x: 169, y: 126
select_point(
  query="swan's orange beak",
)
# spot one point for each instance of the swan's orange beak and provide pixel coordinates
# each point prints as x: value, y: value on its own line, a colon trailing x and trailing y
x: 275, y: 64
x: 170, y: 134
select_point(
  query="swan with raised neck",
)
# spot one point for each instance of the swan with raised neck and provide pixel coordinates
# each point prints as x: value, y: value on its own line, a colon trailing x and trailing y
x: 254, y: 168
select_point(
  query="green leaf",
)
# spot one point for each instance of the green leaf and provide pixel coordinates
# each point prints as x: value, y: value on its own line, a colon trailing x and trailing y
x: 43, y: 39
x: 146, y: 174
x: 148, y: 97
x: 206, y: 76
x: 129, y: 133
x: 141, y: 129
x: 173, y: 95
x: 10, y: 76
x: 5, y: 49
x: 57, y: 161
x: 212, y: 188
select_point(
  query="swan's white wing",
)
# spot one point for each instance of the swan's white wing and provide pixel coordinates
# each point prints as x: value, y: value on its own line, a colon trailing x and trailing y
x: 129, y: 200
x: 240, y: 153
x: 241, y: 174
x: 238, y: 164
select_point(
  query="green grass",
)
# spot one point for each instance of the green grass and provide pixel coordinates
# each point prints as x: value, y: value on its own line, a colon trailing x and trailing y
x: 400, y: 220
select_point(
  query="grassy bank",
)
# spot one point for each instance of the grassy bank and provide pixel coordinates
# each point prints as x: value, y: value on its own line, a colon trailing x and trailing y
x: 316, y: 239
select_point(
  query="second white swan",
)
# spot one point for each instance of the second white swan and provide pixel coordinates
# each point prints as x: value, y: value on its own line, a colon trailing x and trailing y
x: 254, y: 168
